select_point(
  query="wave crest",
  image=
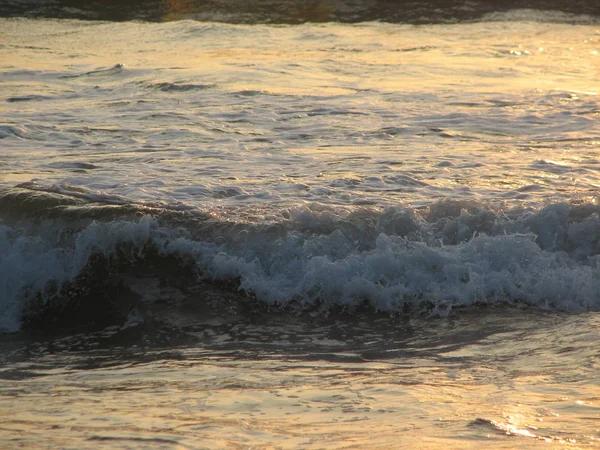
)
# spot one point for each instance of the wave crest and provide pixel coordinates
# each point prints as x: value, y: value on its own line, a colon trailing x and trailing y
x: 452, y: 254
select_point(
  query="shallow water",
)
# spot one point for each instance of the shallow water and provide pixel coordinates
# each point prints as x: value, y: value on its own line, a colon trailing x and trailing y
x: 326, y: 235
x: 499, y: 378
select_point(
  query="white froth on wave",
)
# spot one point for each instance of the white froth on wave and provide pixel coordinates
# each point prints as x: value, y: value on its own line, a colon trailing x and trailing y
x: 318, y: 131
x: 547, y: 258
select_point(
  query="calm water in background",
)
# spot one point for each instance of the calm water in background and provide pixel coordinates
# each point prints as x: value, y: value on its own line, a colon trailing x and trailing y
x: 367, y: 235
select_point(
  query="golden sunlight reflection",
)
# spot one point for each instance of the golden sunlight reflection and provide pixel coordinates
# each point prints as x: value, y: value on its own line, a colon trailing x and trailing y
x: 222, y: 234
x: 368, y: 404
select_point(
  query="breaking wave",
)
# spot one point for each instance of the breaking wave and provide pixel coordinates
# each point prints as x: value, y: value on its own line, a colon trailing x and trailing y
x: 58, y: 253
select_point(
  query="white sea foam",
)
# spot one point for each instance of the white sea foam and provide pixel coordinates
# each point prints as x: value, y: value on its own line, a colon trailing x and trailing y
x: 547, y: 258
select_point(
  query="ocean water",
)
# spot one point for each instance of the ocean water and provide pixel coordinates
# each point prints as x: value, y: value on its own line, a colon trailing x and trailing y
x: 327, y: 226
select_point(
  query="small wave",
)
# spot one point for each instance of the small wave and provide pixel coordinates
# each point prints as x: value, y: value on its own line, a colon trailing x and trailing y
x: 552, y: 167
x: 30, y: 132
x: 8, y: 131
x: 74, y: 191
x: 28, y: 98
x: 179, y: 87
x: 72, y: 165
x: 103, y: 198
x: 114, y: 70
x: 525, y: 432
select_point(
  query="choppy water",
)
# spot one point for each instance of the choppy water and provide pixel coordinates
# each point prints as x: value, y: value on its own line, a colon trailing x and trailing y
x: 365, y: 235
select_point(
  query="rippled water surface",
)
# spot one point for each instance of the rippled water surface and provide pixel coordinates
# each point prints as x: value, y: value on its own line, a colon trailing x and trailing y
x: 501, y: 379
x: 323, y: 235
x: 207, y: 115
